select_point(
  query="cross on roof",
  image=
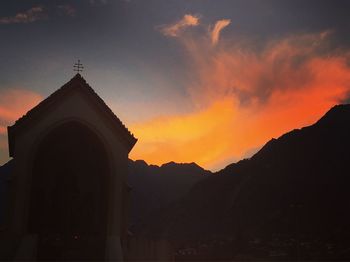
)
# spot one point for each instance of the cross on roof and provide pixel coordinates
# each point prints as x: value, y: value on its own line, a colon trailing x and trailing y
x: 78, y: 67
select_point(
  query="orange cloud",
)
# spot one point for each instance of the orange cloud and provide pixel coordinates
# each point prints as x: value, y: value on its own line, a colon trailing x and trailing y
x: 215, y: 32
x: 244, y: 97
x: 174, y: 29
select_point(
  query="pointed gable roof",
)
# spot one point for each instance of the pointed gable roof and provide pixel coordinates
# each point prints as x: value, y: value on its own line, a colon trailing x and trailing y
x: 76, y: 83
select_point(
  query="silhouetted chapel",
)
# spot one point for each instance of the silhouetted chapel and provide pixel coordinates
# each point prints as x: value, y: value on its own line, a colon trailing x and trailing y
x: 69, y: 196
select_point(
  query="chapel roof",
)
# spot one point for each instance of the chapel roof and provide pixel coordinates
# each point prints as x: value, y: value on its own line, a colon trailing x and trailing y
x: 76, y: 83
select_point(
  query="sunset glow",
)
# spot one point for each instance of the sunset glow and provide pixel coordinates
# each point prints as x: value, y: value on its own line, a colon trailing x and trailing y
x: 14, y: 103
x: 244, y: 97
x: 197, y: 82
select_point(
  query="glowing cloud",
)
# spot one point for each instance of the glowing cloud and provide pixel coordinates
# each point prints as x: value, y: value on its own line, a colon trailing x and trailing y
x: 185, y: 138
x: 174, y: 29
x: 243, y: 96
x: 215, y: 32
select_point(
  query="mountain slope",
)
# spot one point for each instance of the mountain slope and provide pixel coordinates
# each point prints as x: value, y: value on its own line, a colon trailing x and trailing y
x: 296, y: 184
x: 154, y: 187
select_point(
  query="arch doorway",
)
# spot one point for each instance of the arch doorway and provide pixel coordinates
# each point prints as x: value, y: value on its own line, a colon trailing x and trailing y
x: 69, y: 195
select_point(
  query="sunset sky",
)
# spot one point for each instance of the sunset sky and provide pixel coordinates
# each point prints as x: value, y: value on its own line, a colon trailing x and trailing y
x: 205, y: 81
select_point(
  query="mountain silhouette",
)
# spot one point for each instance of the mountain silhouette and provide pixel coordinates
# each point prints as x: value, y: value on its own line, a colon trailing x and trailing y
x: 152, y: 187
x: 291, y: 195
x: 156, y: 187
x: 296, y: 186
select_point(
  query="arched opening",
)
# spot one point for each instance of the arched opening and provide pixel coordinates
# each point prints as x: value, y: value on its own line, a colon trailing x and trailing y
x: 69, y: 195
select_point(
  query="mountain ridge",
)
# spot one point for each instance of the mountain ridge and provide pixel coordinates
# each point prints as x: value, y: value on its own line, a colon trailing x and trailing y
x: 301, y: 166
x: 155, y: 187
x: 295, y: 188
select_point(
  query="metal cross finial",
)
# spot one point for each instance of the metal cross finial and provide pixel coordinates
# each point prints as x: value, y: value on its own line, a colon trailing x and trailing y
x: 78, y: 67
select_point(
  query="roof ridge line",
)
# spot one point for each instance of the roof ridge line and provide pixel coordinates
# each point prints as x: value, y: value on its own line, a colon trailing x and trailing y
x: 76, y: 81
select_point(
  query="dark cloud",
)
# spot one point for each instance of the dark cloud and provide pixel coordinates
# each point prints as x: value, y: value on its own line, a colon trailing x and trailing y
x: 37, y: 13
x: 29, y: 16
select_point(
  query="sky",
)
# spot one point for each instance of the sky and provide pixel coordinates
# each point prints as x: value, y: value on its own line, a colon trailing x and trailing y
x: 205, y: 81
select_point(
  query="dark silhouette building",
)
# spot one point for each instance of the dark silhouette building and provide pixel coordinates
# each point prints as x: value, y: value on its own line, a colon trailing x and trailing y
x: 68, y: 196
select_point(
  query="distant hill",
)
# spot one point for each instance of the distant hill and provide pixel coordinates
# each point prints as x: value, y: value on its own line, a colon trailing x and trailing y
x: 154, y: 187
x: 296, y: 186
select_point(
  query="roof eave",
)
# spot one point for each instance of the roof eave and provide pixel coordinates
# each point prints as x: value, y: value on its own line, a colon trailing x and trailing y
x: 132, y: 143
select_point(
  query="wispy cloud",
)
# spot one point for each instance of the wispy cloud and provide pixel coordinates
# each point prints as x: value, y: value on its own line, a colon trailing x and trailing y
x: 38, y: 13
x: 29, y: 16
x: 174, y: 29
x: 190, y: 20
x: 215, y: 32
